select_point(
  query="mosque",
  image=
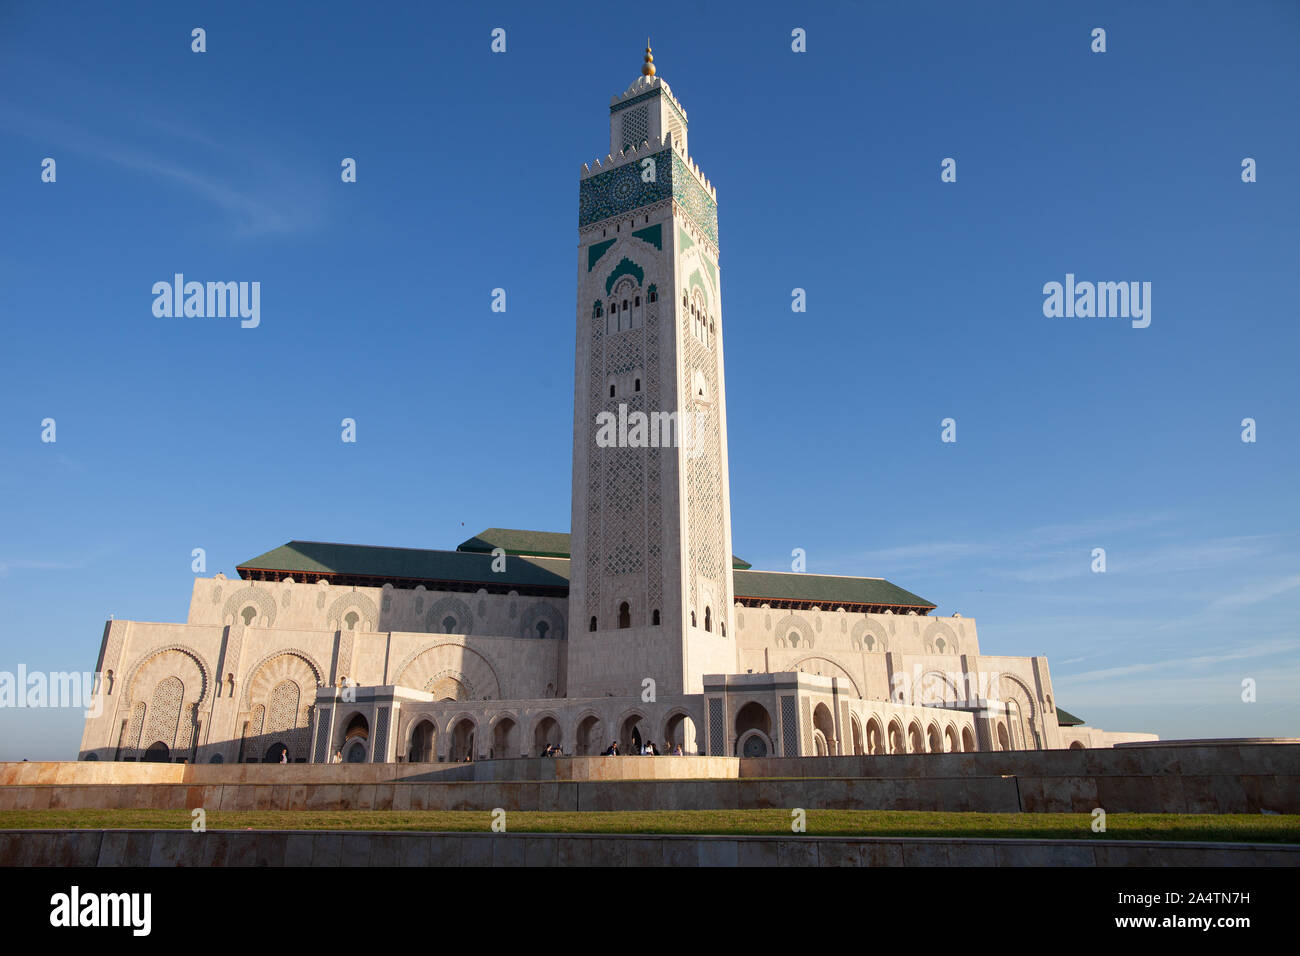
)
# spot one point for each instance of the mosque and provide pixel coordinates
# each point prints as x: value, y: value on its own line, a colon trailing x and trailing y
x: 640, y: 625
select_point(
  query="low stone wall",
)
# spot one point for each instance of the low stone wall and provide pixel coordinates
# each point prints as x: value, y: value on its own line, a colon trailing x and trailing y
x: 298, y: 848
x: 1200, y: 758
x: 1163, y: 793
x: 534, y: 768
x: 1191, y: 758
x: 1173, y: 778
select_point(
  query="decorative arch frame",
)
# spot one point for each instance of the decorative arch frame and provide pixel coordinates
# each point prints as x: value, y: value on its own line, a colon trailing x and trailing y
x: 453, y: 607
x: 951, y: 736
x: 895, y: 726
x: 536, y: 723
x: 450, y: 673
x: 1012, y: 688
x: 857, y: 734
x: 876, y: 630
x: 754, y: 732
x: 846, y: 673
x: 482, y: 667
x: 457, y: 717
x: 873, y: 719
x: 937, y: 629
x: 352, y: 600
x: 949, y: 686
x: 541, y: 611
x: 412, y: 725
x: 914, y: 725
x: 128, y: 696
x: 503, y: 715
x: 933, y: 735
x: 641, y: 715
x: 246, y: 595
x: 578, y: 722
x: 793, y: 622
x: 246, y: 701
x: 679, y: 710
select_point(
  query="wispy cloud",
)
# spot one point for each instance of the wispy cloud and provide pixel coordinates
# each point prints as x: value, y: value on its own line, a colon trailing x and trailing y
x: 215, y: 175
x: 1173, y: 664
x: 1255, y: 593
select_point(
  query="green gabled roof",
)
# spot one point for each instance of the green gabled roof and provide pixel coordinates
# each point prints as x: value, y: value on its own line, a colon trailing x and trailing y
x: 411, y: 564
x: 1066, y: 719
x: 544, y: 544
x: 826, y: 590
x: 307, y: 558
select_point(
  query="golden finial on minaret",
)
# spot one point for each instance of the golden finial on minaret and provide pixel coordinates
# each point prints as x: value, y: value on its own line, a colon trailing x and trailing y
x: 648, y: 69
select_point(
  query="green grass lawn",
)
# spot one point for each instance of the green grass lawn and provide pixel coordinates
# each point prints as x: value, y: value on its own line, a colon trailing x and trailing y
x: 1240, y: 828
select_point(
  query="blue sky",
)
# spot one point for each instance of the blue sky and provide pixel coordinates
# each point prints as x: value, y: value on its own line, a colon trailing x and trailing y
x: 924, y: 302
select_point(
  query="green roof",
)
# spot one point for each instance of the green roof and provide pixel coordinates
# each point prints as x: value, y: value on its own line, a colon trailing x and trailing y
x: 1066, y: 719
x: 472, y: 564
x: 411, y: 564
x: 542, y: 544
x: 826, y: 590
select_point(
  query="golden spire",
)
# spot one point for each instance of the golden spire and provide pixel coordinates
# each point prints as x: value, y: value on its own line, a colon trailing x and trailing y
x: 648, y: 68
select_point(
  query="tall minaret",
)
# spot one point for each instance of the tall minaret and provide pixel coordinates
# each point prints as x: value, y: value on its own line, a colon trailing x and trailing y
x: 651, y: 589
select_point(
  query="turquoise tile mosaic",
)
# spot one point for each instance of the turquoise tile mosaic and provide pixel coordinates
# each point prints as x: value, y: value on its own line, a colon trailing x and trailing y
x: 625, y: 268
x: 596, y: 250
x: 652, y: 234
x: 622, y: 190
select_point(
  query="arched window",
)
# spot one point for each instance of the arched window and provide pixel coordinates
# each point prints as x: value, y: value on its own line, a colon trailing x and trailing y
x: 654, y: 617
x: 625, y: 305
x: 723, y: 627
x: 636, y: 301
x: 600, y: 310
x: 593, y: 624
x: 692, y: 619
x: 351, y: 620
x: 248, y: 614
x: 611, y: 391
x: 624, y: 615
x: 653, y: 295
x: 542, y: 628
x: 448, y: 624
x: 708, y: 620
x: 638, y: 385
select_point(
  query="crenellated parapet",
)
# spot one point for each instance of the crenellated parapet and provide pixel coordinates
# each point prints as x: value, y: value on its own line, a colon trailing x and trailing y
x: 624, y: 184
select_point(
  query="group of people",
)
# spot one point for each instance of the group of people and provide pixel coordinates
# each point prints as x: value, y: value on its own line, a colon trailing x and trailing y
x: 648, y: 749
x: 552, y: 751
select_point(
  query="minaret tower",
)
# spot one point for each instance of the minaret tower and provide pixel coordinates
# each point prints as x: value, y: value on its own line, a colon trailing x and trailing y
x: 651, y: 591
